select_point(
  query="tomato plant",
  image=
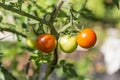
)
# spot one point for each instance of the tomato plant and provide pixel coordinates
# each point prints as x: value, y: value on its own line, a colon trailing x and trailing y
x: 86, y: 38
x: 53, y: 17
x: 46, y: 42
x: 67, y: 43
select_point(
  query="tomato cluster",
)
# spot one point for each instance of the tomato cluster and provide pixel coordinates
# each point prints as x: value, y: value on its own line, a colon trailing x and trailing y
x: 85, y: 39
x: 67, y: 43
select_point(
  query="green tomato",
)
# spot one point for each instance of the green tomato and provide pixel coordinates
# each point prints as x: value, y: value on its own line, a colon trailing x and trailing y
x: 67, y: 43
x: 31, y: 42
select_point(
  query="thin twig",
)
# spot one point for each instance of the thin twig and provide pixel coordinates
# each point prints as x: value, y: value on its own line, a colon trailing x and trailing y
x: 52, y: 65
x: 55, y: 11
x: 54, y: 32
x: 23, y: 13
x: 13, y: 31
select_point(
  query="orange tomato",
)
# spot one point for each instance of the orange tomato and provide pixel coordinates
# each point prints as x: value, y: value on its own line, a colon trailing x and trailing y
x: 46, y: 42
x: 86, y: 38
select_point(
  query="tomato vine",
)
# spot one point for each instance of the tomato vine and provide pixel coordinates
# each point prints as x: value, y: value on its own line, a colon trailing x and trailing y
x: 69, y: 26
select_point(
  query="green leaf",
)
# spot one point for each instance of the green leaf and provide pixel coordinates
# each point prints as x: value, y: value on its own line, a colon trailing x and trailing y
x: 7, y: 75
x: 13, y: 4
x: 86, y: 12
x: 81, y: 78
x: 69, y: 65
x: 19, y: 37
x: 24, y: 25
x: 33, y: 57
x: 1, y: 18
x: 20, y: 3
x: 64, y: 69
x: 62, y: 14
x: 1, y: 55
x: 0, y: 64
x: 73, y: 72
x: 62, y: 62
x: 116, y: 2
x: 3, y: 1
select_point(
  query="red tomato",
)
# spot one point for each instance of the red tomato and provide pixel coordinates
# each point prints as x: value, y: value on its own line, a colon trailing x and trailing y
x: 86, y: 38
x: 46, y: 42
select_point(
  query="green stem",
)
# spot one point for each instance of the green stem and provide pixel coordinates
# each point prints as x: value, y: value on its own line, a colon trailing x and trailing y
x: 12, y: 9
x: 13, y: 31
x: 54, y: 32
x: 55, y: 11
x: 84, y: 4
x: 52, y: 65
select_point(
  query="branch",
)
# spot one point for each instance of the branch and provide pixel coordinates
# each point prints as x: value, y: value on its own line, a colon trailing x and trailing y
x: 52, y: 65
x: 7, y: 74
x: 55, y: 11
x: 52, y: 18
x: 12, y: 31
x: 10, y: 8
x: 54, y: 32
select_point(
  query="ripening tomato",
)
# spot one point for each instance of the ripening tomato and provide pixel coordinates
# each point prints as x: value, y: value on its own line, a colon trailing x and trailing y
x: 67, y: 43
x: 86, y: 38
x: 46, y: 42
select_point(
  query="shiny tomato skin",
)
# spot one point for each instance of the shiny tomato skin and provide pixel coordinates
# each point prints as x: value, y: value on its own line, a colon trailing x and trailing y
x: 46, y: 42
x: 67, y: 43
x: 86, y: 38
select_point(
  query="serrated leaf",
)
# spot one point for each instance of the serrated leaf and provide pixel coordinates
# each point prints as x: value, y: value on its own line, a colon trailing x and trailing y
x: 73, y: 72
x: 116, y: 2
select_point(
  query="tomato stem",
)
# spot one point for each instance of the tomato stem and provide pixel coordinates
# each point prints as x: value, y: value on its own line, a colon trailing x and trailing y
x: 13, y: 31
x: 54, y: 32
x: 23, y: 13
x: 51, y: 66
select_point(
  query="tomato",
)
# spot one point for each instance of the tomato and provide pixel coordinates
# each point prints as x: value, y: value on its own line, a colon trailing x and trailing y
x: 31, y: 42
x: 67, y: 43
x: 46, y: 42
x: 86, y: 38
